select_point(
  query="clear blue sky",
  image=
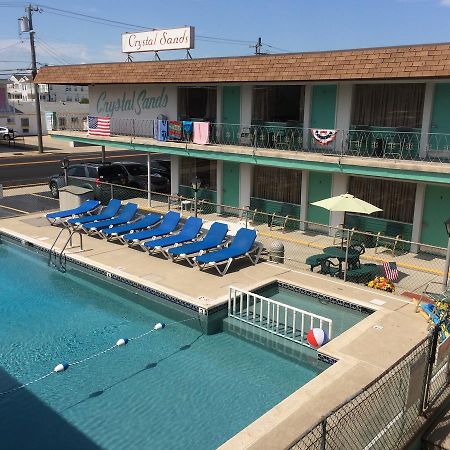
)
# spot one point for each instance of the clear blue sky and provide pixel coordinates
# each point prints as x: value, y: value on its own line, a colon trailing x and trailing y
x: 291, y: 25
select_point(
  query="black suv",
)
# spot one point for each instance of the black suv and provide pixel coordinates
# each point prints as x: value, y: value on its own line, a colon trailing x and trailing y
x: 92, y: 175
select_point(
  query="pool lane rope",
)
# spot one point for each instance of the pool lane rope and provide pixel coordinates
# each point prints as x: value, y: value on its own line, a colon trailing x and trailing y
x: 63, y: 366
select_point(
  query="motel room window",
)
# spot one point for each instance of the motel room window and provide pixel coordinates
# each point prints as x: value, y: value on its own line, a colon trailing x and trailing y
x: 197, y: 103
x: 273, y: 183
x: 283, y: 104
x: 388, y: 105
x: 205, y: 169
x: 395, y: 198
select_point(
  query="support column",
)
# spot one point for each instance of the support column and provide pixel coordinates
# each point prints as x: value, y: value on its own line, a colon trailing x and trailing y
x: 219, y: 182
x: 246, y: 104
x: 426, y: 118
x: 343, y: 113
x: 103, y: 154
x: 245, y: 184
x: 339, y: 186
x: 418, y: 216
x: 219, y: 108
x: 174, y: 174
x: 149, y: 179
x: 304, y: 199
x: 307, y: 116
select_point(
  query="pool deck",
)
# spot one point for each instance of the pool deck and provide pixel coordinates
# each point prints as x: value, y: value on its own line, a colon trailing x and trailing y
x: 363, y: 352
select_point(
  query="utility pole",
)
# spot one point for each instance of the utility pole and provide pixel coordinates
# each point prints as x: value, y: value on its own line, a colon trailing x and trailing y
x: 29, y: 9
x: 257, y: 46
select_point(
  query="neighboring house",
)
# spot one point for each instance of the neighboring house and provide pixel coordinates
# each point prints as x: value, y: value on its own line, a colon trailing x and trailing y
x: 20, y: 88
x: 391, y: 107
x: 64, y: 116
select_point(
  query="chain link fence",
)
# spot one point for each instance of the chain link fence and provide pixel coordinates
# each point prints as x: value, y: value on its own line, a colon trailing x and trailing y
x: 387, y: 413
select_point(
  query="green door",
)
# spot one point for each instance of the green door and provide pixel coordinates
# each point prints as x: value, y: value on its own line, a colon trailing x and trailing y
x: 230, y: 183
x: 323, y: 107
x: 440, y: 116
x: 319, y: 188
x: 231, y: 114
x: 435, y: 213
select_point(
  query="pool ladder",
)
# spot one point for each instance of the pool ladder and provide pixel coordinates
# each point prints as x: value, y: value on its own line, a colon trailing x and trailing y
x: 59, y: 259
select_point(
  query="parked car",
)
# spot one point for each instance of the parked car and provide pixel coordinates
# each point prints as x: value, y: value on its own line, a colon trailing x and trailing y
x: 6, y: 133
x: 94, y: 175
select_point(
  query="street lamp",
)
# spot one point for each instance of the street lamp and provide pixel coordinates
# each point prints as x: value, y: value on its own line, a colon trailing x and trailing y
x: 195, y: 183
x: 65, y: 166
x: 447, y: 259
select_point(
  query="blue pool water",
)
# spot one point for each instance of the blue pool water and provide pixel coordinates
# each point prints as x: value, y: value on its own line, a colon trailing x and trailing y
x: 174, y: 389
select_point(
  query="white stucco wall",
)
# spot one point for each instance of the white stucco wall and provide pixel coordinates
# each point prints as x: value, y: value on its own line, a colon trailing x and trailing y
x: 134, y: 101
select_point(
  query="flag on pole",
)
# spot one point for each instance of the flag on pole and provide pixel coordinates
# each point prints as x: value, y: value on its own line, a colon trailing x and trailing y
x: 391, y: 271
x: 99, y: 126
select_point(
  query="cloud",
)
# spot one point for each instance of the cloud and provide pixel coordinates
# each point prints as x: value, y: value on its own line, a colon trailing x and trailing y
x: 444, y: 2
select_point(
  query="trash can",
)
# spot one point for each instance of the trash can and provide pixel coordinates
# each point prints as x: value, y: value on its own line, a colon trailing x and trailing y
x: 73, y: 196
x: 276, y: 252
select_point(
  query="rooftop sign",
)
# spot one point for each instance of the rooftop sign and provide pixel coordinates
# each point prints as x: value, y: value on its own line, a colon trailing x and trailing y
x: 157, y: 40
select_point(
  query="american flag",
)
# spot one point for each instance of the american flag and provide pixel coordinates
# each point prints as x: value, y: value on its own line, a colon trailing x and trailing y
x: 391, y: 271
x: 99, y: 126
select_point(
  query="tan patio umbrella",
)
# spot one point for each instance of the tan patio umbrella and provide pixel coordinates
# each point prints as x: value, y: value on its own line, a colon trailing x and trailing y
x: 347, y: 203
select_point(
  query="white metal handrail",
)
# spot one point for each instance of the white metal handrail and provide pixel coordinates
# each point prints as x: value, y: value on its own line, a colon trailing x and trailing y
x: 275, y: 317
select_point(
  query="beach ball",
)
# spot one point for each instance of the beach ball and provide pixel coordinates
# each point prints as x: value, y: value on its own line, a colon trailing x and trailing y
x: 317, y: 337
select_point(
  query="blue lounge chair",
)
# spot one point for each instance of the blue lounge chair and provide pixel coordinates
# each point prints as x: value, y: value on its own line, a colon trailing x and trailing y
x: 243, y: 244
x: 87, y: 207
x: 213, y: 239
x: 108, y: 212
x: 126, y: 214
x: 168, y: 224
x: 189, y: 232
x: 116, y: 232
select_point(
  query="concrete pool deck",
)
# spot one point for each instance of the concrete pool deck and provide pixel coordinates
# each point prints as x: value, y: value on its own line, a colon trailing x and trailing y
x: 363, y: 352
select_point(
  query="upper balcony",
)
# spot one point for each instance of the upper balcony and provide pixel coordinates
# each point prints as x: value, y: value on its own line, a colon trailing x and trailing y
x: 400, y: 144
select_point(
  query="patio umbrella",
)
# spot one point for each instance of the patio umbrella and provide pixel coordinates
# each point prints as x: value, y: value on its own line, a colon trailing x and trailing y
x: 347, y: 203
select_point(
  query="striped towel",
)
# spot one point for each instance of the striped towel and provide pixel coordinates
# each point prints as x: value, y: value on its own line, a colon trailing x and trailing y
x: 160, y: 130
x: 391, y: 271
x: 174, y: 130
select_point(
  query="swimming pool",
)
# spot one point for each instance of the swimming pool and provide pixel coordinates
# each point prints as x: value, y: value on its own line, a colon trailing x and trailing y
x: 343, y: 314
x: 175, y: 388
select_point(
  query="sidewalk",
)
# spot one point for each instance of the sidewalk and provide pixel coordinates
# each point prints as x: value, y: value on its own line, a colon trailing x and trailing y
x: 29, y: 147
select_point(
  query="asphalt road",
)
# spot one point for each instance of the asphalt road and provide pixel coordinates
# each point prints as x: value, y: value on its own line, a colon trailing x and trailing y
x: 25, y: 169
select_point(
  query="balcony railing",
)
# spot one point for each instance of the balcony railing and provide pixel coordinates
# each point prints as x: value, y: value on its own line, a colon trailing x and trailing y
x: 402, y: 144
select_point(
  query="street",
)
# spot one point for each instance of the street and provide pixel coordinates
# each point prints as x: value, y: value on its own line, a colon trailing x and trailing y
x: 27, y: 169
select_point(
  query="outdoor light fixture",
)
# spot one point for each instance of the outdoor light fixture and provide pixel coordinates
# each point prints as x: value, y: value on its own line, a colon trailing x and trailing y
x: 65, y: 166
x: 447, y: 259
x: 195, y: 183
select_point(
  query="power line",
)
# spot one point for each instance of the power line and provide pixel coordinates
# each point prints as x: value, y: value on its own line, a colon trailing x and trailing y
x: 51, y: 51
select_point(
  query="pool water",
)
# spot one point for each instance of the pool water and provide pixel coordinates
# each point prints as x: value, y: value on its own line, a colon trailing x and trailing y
x: 174, y: 389
x: 343, y: 318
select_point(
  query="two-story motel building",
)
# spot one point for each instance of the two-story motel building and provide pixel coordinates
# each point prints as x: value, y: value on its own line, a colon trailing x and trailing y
x: 391, y: 107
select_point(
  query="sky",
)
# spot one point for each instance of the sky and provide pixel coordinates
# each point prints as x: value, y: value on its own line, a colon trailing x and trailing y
x: 222, y: 27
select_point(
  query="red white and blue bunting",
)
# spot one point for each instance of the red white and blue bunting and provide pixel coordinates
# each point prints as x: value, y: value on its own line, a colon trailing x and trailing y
x: 323, y: 137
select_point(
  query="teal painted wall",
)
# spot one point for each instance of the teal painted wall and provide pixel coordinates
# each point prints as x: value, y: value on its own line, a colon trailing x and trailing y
x: 440, y: 116
x: 319, y: 187
x: 436, y: 211
x: 230, y: 183
x: 323, y: 106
